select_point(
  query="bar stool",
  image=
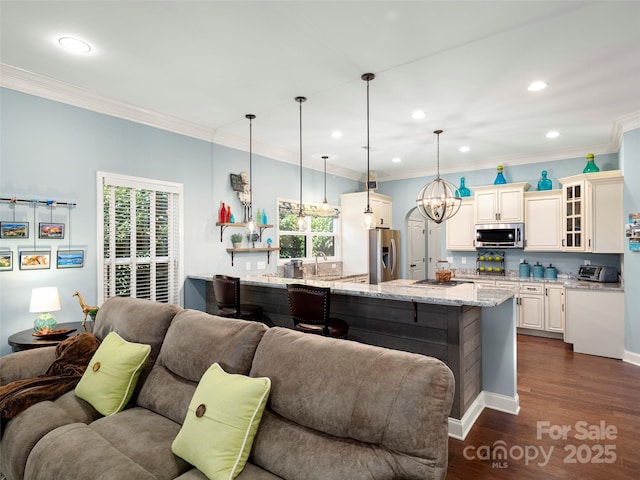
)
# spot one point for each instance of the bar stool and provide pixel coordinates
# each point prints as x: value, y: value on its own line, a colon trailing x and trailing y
x: 310, y: 308
x: 227, y: 292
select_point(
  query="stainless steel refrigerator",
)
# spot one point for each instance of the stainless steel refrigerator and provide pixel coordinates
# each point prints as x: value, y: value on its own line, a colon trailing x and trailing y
x: 384, y: 255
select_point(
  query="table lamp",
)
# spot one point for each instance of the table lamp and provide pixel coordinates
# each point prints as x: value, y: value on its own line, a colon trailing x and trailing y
x: 43, y: 301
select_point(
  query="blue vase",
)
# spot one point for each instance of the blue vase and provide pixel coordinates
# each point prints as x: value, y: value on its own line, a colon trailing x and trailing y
x: 591, y: 166
x: 463, y: 191
x: 500, y: 180
x: 544, y: 183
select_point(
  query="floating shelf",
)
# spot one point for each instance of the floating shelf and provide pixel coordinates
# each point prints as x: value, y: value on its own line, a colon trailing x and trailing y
x: 233, y: 251
x: 225, y: 225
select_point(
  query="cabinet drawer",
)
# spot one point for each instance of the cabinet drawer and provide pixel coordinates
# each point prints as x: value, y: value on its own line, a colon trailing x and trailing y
x: 532, y: 288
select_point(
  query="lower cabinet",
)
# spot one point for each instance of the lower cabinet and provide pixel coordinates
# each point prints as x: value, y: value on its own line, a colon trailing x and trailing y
x: 554, y: 311
x: 531, y: 306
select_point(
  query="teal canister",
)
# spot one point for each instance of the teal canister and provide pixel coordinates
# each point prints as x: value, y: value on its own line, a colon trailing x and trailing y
x: 551, y: 272
x: 538, y: 270
x: 525, y: 269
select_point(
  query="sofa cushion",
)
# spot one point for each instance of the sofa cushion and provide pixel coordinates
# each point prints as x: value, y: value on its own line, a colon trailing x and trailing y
x: 222, y: 420
x: 194, y: 342
x: 112, y: 374
x: 77, y: 451
x: 384, y: 408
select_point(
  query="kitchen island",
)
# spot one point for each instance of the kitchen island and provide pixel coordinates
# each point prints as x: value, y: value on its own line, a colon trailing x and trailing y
x: 469, y: 327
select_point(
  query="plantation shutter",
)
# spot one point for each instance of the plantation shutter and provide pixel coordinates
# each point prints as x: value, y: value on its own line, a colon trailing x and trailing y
x: 141, y: 224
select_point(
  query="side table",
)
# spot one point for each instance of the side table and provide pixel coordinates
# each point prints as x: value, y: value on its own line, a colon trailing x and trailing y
x: 25, y: 340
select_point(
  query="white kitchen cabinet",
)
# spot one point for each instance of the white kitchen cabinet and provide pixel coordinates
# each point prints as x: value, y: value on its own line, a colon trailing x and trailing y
x: 500, y: 203
x: 595, y: 321
x: 531, y: 306
x: 592, y: 212
x: 355, y: 237
x: 460, y: 229
x: 554, y: 313
x: 543, y: 221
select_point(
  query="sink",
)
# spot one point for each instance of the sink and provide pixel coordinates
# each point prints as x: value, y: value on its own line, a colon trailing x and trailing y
x: 435, y: 283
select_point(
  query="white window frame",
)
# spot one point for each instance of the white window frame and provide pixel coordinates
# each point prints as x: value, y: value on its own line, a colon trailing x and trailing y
x: 176, y: 280
x: 309, y: 234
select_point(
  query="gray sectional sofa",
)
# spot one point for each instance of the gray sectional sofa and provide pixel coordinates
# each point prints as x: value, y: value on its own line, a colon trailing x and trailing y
x: 337, y: 409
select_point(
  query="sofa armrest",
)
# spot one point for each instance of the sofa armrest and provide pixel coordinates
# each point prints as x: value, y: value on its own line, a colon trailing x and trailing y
x: 26, y: 364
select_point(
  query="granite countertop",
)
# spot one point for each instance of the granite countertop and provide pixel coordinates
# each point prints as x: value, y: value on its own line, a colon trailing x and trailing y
x: 566, y: 282
x: 403, y: 290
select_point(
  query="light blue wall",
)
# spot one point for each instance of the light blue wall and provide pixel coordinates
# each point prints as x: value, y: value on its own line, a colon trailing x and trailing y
x: 404, y: 193
x: 51, y: 150
x: 630, y: 164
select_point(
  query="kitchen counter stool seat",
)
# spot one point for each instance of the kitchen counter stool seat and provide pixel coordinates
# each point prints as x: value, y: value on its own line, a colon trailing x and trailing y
x: 310, y: 309
x: 227, y: 292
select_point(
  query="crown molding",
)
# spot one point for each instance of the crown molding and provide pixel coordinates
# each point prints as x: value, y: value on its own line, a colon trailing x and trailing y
x: 40, y: 86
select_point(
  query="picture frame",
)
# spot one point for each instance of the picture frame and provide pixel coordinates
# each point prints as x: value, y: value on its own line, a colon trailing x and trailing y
x: 14, y: 229
x: 6, y: 260
x: 70, y: 259
x: 35, y: 259
x: 51, y: 230
x: 236, y: 182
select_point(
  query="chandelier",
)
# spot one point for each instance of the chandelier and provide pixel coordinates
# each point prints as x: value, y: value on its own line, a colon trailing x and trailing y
x: 437, y: 200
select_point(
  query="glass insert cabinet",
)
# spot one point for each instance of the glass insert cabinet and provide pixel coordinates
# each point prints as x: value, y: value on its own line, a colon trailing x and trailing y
x: 574, y: 213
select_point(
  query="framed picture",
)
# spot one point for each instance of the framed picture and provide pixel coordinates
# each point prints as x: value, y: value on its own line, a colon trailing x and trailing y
x: 51, y: 230
x: 70, y: 259
x: 14, y: 229
x: 35, y: 260
x: 6, y: 261
x: 236, y: 183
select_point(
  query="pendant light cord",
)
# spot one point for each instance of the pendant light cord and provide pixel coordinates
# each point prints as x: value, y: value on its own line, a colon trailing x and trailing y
x: 250, y: 116
x: 368, y: 148
x: 300, y: 100
x: 438, y: 132
x: 325, y: 177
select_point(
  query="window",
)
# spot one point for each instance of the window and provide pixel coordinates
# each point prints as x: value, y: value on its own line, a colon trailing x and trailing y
x: 139, y: 230
x: 322, y: 234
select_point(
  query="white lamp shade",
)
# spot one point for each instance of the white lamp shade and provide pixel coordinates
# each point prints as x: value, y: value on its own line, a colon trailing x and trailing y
x: 44, y: 299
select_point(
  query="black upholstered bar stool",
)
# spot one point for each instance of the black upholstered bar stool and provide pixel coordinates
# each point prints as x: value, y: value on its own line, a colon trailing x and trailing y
x: 310, y: 308
x: 227, y: 292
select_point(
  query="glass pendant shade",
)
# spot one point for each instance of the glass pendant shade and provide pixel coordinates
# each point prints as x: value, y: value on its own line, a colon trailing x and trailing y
x: 301, y: 222
x: 369, y: 220
x: 438, y: 200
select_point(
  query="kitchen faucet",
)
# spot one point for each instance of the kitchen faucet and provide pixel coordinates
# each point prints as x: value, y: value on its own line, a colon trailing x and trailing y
x: 317, y: 255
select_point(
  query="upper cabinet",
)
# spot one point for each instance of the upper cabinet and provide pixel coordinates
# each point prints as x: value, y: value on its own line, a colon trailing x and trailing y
x: 500, y: 203
x: 592, y: 212
x: 460, y: 229
x: 543, y: 221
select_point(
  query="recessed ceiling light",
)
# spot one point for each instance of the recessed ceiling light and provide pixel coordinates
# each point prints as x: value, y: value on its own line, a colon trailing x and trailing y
x: 418, y: 115
x: 396, y: 159
x: 74, y: 45
x: 464, y: 149
x: 537, y: 86
x: 553, y: 134
x: 336, y: 134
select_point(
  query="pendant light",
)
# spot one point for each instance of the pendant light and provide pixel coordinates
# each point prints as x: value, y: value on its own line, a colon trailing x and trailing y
x: 369, y: 217
x: 301, y: 222
x: 251, y: 224
x: 437, y: 200
x: 325, y: 204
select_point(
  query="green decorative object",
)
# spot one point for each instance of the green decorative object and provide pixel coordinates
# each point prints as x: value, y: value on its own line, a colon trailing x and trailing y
x: 463, y: 191
x: 544, y: 183
x: 44, y: 321
x: 591, y: 166
x: 500, y: 180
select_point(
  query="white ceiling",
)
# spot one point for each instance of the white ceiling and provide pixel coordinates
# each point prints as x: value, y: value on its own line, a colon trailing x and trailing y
x: 466, y: 64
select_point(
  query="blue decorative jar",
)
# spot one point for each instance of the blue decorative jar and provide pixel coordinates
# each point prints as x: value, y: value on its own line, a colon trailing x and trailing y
x: 591, y: 166
x: 463, y: 191
x: 500, y: 180
x: 544, y: 183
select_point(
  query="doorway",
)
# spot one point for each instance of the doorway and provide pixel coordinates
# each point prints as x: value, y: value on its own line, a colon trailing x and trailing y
x: 416, y: 243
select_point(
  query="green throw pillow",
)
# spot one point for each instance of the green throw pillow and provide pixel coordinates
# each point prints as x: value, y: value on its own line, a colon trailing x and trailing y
x: 112, y: 374
x: 222, y: 420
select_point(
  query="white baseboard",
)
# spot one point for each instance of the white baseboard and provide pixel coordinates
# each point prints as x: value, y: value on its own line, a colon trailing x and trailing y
x: 459, y: 429
x: 631, y: 357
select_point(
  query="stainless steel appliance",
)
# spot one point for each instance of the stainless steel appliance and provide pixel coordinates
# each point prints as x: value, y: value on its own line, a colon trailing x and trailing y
x: 293, y: 269
x: 596, y: 273
x: 384, y: 255
x: 501, y: 235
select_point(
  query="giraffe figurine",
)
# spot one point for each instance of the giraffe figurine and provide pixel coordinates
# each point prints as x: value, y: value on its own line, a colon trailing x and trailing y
x: 85, y: 308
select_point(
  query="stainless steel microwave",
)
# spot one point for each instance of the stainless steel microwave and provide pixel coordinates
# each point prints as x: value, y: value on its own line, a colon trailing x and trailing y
x: 500, y: 235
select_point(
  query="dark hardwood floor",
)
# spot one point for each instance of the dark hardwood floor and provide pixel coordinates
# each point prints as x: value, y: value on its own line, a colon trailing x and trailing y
x: 597, y: 398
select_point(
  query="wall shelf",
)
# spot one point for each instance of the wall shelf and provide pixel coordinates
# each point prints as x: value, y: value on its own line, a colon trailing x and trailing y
x: 222, y: 226
x: 233, y: 251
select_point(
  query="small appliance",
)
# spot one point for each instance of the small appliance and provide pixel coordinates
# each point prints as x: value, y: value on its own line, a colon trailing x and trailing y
x: 501, y: 235
x: 596, y: 273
